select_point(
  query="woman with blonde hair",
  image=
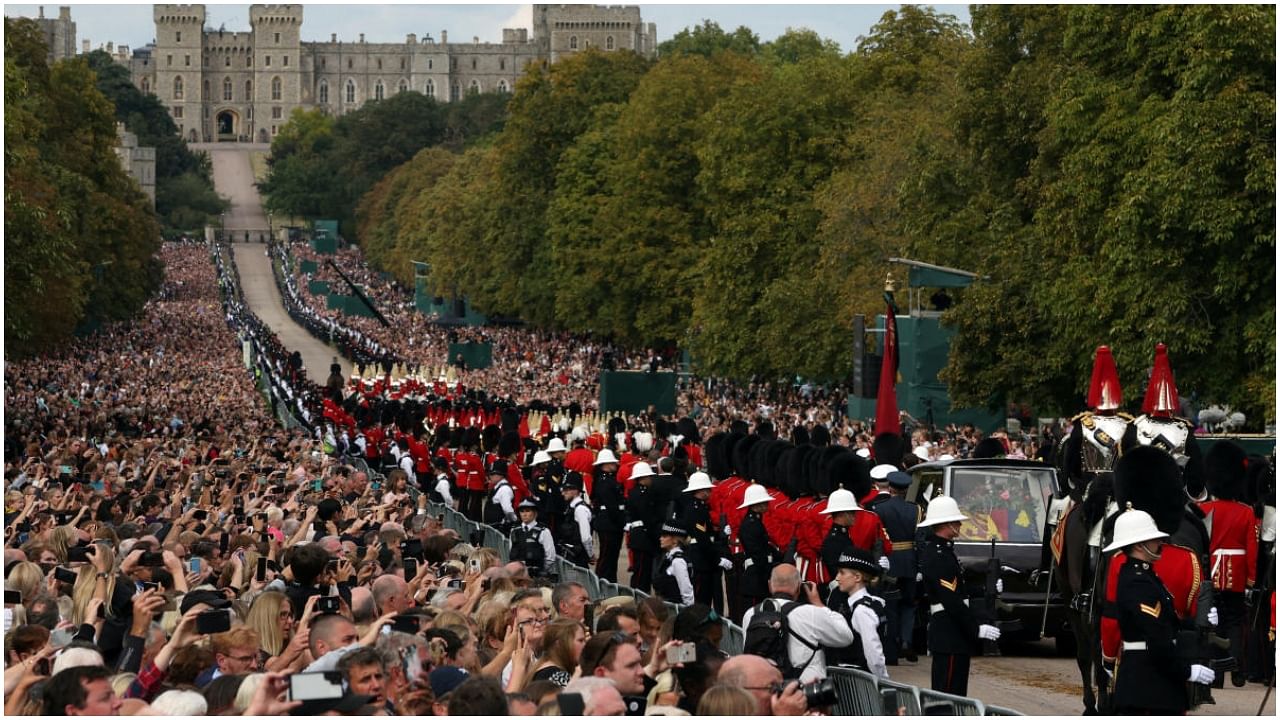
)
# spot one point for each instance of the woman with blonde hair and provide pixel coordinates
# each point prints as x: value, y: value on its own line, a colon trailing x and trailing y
x: 27, y: 578
x: 97, y: 581
x: 271, y: 615
x: 482, y: 559
x: 61, y: 538
x: 562, y: 643
x: 727, y: 700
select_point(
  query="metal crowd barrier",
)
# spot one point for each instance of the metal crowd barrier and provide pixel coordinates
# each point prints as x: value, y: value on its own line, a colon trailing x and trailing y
x: 960, y: 705
x: 858, y: 693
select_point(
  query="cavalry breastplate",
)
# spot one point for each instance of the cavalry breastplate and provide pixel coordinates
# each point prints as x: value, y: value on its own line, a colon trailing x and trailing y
x: 1101, y: 446
x: 1168, y: 434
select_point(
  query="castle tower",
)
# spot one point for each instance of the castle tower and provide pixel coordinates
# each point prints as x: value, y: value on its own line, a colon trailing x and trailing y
x: 281, y: 82
x: 178, y: 60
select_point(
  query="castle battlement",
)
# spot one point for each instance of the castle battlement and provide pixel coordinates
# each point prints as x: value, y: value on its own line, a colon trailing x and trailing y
x: 178, y: 14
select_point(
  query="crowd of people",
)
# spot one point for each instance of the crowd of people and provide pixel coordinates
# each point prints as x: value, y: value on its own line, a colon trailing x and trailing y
x: 173, y: 549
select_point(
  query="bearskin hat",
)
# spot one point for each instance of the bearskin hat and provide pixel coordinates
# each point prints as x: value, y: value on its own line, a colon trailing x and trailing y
x: 510, y: 443
x: 510, y: 420
x: 490, y: 437
x: 757, y: 461
x: 663, y: 429
x: 799, y: 435
x: 616, y: 425
x: 820, y: 436
x: 689, y: 429
x: 1262, y: 483
x: 471, y: 438
x: 1151, y: 480
x: 1226, y: 470
x: 851, y: 472
x: 740, y: 427
x: 887, y: 449
x: 824, y: 480
x: 989, y: 447
x: 742, y: 454
x: 713, y: 456
x: 798, y: 470
x: 774, y: 470
x: 765, y: 429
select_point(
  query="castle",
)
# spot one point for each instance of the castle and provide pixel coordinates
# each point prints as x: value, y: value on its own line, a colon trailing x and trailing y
x: 242, y: 86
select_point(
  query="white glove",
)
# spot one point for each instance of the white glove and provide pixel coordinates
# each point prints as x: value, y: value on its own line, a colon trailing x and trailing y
x: 999, y: 585
x: 884, y: 562
x: 726, y: 564
x: 1213, y: 616
x: 988, y: 632
x: 1201, y: 674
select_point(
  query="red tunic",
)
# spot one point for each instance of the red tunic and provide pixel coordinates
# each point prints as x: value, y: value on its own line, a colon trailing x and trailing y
x: 810, y: 534
x: 777, y: 522
x: 580, y: 459
x: 1233, y: 546
x: 1178, y: 568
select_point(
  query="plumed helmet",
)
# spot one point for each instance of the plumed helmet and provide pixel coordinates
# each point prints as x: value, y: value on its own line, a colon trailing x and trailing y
x: 1150, y: 480
x: 1104, y: 383
x: 643, y: 441
x: 713, y: 457
x: 799, y: 435
x: 819, y: 435
x: 689, y: 429
x: 989, y: 447
x: 742, y: 455
x: 887, y: 449
x: 510, y: 443
x: 1226, y: 470
x: 1161, y: 399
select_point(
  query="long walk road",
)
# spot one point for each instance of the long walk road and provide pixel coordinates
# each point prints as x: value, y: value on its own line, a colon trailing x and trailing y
x: 233, y: 178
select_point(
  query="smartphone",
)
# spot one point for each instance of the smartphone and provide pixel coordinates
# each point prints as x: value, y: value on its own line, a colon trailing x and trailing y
x: 316, y: 685
x: 473, y: 565
x: 329, y: 605
x: 195, y: 563
x: 681, y: 654
x: 224, y: 542
x: 410, y: 624
x: 200, y: 515
x: 410, y: 568
x: 150, y: 586
x: 571, y: 704
x: 66, y: 575
x: 332, y: 566
x: 78, y: 554
x: 457, y: 584
x: 589, y: 617
x: 411, y: 548
x: 12, y: 597
x: 261, y: 573
x: 317, y: 485
x: 64, y: 470
x: 211, y: 622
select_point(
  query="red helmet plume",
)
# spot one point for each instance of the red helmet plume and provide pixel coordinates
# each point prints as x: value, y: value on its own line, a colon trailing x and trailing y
x: 1104, y: 385
x: 1162, y: 393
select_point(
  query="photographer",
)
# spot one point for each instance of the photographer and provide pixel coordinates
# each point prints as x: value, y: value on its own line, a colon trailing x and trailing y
x: 811, y: 624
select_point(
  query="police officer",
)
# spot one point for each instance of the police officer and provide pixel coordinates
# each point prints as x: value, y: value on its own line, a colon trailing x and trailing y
x: 707, y: 550
x: 954, y: 631
x: 671, y: 577
x: 610, y: 513
x: 643, y: 521
x: 841, y: 506
x: 899, y: 518
x: 575, y: 525
x: 498, y: 511
x: 865, y: 613
x: 1149, y: 676
x: 531, y: 542
x: 759, y: 553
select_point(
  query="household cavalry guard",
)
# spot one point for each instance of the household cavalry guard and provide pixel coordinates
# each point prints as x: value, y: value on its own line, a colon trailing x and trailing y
x: 575, y: 525
x: 531, y: 542
x: 1159, y: 425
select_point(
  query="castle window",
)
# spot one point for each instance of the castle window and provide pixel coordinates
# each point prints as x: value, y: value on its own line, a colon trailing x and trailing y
x: 268, y: 64
x: 401, y: 63
x: 177, y: 88
x: 608, y: 43
x: 177, y: 37
x: 502, y: 86
x: 275, y: 88
x: 324, y: 92
x: 348, y: 63
x: 206, y: 90
x: 455, y: 92
x: 186, y: 60
x: 273, y: 130
x: 228, y: 63
x: 277, y: 37
x: 168, y: 61
x: 248, y: 60
x: 177, y: 111
x: 248, y: 90
x: 378, y: 91
x: 146, y: 85
x: 453, y: 63
x: 429, y: 63
x: 226, y: 89
x: 277, y: 113
x: 475, y: 87
x: 502, y: 63
x: 286, y: 61
x: 429, y: 89
x: 473, y: 63
x: 249, y: 112
x: 404, y: 85
x: 379, y: 63
x: 573, y: 42
x: 351, y: 91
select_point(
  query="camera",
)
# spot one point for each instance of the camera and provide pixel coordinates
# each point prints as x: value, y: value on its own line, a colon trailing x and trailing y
x: 817, y: 694
x: 329, y: 605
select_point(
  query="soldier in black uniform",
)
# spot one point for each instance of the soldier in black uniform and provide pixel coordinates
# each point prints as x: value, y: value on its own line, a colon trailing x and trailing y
x: 707, y: 550
x: 531, y: 542
x: 760, y: 554
x: 899, y: 518
x: 672, y: 579
x: 610, y: 514
x: 545, y: 486
x: 575, y: 523
x: 1150, y: 676
x: 954, y: 631
x: 840, y: 506
x: 643, y: 520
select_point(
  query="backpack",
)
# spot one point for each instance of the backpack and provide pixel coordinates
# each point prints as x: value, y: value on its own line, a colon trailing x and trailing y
x: 767, y: 635
x: 876, y: 604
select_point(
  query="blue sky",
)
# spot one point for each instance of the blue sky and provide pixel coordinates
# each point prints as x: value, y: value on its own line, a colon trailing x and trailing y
x: 132, y: 24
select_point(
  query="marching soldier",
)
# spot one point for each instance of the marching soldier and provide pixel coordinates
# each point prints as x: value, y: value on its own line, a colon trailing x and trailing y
x: 610, y: 514
x: 760, y: 554
x: 531, y: 542
x: 954, y: 631
x: 643, y: 520
x: 1233, y: 544
x: 899, y: 518
x: 841, y: 506
x: 671, y: 577
x: 575, y: 526
x: 707, y: 551
x: 1149, y: 675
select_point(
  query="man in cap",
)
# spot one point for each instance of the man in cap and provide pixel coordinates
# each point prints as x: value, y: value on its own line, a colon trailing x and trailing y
x: 760, y: 555
x: 953, y: 629
x: 575, y: 526
x: 708, y: 552
x: 643, y: 520
x: 531, y: 542
x: 610, y: 514
x: 1149, y: 675
x: 864, y: 612
x: 900, y: 518
x: 499, y: 511
x: 671, y: 577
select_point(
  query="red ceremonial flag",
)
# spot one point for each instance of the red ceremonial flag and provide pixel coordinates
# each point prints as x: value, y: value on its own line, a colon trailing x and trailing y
x: 887, y: 396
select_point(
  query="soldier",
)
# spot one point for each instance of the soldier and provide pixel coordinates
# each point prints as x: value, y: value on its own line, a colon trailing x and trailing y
x: 671, y: 578
x: 575, y: 526
x: 954, y: 631
x: 900, y: 518
x: 531, y: 542
x: 707, y: 551
x: 643, y: 520
x: 1233, y: 543
x: 1149, y: 675
x: 841, y: 506
x: 546, y: 490
x: 610, y: 514
x: 760, y: 554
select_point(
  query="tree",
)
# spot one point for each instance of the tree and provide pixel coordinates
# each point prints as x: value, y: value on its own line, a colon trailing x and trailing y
x: 708, y: 38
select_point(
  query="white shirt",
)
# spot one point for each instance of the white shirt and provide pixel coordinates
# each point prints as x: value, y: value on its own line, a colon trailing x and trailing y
x: 503, y: 495
x: 442, y: 487
x: 817, y: 625
x: 866, y: 624
x: 679, y: 569
x: 582, y: 516
x: 548, y: 546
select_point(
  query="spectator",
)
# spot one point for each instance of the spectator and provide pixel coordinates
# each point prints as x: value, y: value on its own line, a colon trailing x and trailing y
x: 762, y: 679
x: 727, y: 700
x: 364, y: 672
x: 812, y: 626
x: 478, y: 696
x: 235, y: 652
x: 600, y: 697
x: 570, y: 600
x: 180, y: 702
x: 562, y: 642
x: 84, y: 690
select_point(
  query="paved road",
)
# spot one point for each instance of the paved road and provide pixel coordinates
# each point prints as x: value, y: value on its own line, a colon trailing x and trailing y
x: 233, y: 178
